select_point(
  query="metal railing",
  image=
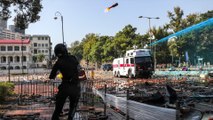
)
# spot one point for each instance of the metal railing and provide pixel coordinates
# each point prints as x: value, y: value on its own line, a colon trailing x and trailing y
x: 36, y: 93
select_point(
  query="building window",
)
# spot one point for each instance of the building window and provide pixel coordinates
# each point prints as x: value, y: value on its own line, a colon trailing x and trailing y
x: 42, y: 45
x: 39, y: 45
x: 39, y: 51
x: 17, y: 59
x: 35, y: 44
x: 9, y: 48
x: 3, y: 59
x: 127, y: 61
x: 11, y: 68
x: 46, y: 45
x: 3, y: 48
x: 24, y: 58
x: 3, y: 68
x: 17, y: 67
x: 24, y: 48
x: 16, y: 48
x: 132, y: 60
x: 46, y: 51
x: 10, y: 59
x: 38, y: 38
x: 35, y: 51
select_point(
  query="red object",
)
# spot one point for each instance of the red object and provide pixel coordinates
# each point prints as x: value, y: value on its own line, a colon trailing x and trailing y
x: 55, y: 90
x: 10, y: 41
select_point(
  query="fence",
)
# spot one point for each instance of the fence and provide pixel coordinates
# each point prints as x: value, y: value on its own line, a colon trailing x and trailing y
x: 46, y: 90
x: 38, y: 93
x: 106, y: 89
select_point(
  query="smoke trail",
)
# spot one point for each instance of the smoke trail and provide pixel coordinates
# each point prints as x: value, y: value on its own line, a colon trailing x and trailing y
x: 198, y: 26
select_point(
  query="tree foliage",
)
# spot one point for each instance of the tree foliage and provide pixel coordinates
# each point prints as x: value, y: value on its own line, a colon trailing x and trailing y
x: 27, y: 11
x: 77, y: 49
x: 40, y: 57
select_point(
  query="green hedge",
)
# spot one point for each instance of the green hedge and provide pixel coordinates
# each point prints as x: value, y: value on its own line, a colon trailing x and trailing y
x: 6, y: 89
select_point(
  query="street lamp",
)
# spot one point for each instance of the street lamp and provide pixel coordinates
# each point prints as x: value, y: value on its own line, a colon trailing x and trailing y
x: 151, y: 36
x: 62, y: 23
x: 149, y: 18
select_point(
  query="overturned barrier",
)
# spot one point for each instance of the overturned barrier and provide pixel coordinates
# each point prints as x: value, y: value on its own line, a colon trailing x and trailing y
x: 136, y: 110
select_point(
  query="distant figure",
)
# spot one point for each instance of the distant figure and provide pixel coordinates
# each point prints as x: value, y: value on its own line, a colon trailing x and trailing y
x: 184, y: 68
x: 67, y: 65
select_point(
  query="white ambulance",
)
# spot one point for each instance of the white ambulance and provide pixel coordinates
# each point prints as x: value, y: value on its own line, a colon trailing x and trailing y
x: 135, y: 63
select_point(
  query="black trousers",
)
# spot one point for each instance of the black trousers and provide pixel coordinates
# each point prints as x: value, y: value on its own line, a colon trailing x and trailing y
x: 70, y: 90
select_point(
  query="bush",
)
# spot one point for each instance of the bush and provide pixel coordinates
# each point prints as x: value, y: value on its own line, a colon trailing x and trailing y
x: 6, y: 89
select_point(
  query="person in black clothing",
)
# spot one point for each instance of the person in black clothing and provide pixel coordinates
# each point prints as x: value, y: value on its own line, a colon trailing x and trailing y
x: 70, y: 86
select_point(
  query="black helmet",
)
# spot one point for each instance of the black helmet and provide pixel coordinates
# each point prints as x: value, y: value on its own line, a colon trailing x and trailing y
x: 60, y: 50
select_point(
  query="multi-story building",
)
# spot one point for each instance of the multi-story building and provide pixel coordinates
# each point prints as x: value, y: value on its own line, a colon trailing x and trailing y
x: 41, y: 45
x: 15, y: 53
x: 7, y: 34
x: 34, y: 46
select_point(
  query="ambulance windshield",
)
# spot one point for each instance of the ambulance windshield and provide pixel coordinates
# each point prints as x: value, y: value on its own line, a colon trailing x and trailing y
x: 143, y: 59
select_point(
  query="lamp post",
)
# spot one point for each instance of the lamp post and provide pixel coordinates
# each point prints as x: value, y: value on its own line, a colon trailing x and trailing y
x: 9, y: 70
x: 62, y: 23
x: 151, y: 37
x: 22, y: 54
x: 149, y: 18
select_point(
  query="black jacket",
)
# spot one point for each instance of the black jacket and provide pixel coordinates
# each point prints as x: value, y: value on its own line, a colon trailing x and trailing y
x: 68, y: 66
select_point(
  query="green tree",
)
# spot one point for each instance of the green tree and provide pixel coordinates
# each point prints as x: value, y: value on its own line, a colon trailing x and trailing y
x: 176, y: 24
x: 40, y: 57
x: 108, y: 52
x: 76, y: 49
x: 88, y: 42
x: 98, y: 49
x: 196, y: 42
x: 34, y: 59
x: 207, y: 15
x: 27, y: 11
x: 162, y: 50
x: 123, y: 40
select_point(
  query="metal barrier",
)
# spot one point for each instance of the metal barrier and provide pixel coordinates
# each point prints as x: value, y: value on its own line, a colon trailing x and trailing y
x: 45, y: 89
x: 32, y: 91
x: 136, y: 110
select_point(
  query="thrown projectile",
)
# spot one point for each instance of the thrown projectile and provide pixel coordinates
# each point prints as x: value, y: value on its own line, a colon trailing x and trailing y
x: 114, y: 5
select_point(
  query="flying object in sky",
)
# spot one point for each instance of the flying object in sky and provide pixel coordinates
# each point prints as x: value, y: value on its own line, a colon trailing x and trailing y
x: 114, y: 5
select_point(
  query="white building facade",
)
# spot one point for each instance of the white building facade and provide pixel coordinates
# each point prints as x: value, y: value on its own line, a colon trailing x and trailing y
x: 41, y: 45
x: 11, y: 52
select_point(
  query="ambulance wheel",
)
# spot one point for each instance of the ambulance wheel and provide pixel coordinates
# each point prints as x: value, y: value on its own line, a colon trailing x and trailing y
x: 115, y: 74
x: 130, y: 74
x: 118, y: 74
